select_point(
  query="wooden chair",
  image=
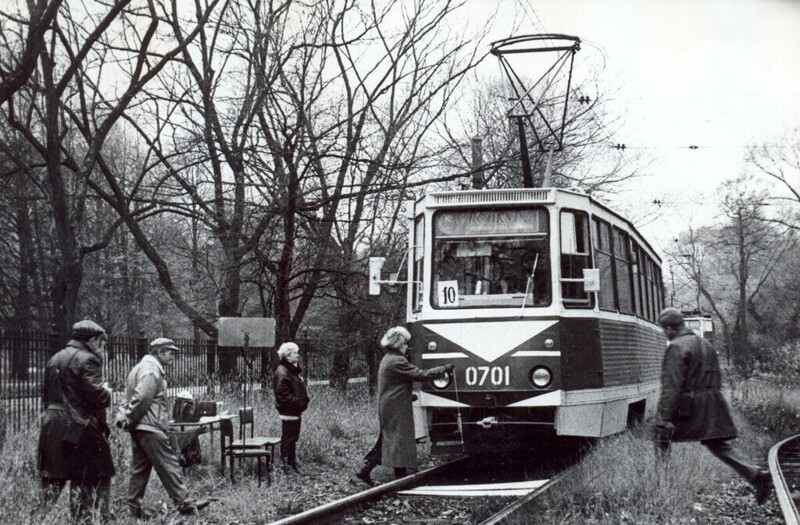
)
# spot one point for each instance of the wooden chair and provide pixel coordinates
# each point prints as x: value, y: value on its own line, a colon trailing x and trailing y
x: 234, y: 452
x: 247, y: 422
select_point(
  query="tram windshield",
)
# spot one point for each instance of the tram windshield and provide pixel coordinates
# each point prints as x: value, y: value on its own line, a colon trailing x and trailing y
x: 491, y: 258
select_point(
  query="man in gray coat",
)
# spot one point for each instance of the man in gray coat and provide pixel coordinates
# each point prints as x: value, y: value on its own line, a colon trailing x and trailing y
x: 691, y: 407
x: 395, y: 446
x: 145, y: 415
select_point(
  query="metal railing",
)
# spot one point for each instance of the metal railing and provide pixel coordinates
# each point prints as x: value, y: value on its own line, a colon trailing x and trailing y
x: 200, y: 365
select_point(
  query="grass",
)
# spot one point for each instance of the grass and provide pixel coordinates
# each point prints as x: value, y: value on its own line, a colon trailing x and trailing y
x: 338, y: 429
x: 620, y: 480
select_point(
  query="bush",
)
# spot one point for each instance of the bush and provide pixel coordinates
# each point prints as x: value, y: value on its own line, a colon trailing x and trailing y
x: 774, y: 415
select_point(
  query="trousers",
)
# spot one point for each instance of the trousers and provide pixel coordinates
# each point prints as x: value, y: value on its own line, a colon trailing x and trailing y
x: 153, y: 450
x: 290, y: 434
x: 724, y: 450
x: 84, y: 497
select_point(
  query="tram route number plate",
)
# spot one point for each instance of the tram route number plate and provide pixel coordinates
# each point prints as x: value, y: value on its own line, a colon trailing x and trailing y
x: 447, y: 291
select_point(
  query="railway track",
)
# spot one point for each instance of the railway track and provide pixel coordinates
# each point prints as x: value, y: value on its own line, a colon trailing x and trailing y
x: 503, y: 489
x: 784, y: 465
x: 334, y: 510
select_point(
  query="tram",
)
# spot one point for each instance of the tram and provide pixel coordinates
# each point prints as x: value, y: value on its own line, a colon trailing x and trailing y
x: 700, y: 323
x: 545, y: 300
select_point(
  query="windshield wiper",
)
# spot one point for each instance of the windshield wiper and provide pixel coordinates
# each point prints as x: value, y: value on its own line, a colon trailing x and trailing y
x: 528, y: 284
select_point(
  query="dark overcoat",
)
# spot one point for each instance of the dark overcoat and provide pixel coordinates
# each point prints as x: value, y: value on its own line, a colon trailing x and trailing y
x: 396, y: 376
x: 690, y: 391
x: 73, y: 441
x: 291, y: 396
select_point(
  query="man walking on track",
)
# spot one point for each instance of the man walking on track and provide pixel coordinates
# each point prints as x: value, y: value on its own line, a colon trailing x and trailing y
x: 691, y: 407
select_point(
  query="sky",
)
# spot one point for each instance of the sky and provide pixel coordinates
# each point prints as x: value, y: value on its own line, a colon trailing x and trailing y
x: 716, y: 74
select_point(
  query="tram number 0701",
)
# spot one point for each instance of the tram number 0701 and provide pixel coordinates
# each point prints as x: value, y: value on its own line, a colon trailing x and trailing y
x: 483, y: 375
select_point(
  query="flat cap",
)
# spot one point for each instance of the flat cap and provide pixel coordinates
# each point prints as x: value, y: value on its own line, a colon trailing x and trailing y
x: 670, y: 317
x: 87, y: 328
x: 163, y: 342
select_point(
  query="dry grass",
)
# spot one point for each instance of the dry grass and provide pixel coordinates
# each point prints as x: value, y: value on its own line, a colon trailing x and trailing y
x: 337, y: 430
x: 620, y: 481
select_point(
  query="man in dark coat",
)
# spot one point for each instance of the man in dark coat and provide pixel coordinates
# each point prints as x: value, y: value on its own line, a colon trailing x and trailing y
x: 291, y: 400
x: 395, y: 446
x: 691, y: 407
x: 73, y: 441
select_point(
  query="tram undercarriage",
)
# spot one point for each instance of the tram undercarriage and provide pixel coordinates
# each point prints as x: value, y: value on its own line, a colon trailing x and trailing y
x: 487, y: 429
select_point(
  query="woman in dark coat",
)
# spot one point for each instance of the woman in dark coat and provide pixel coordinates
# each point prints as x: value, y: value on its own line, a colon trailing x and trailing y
x: 291, y: 400
x: 396, y: 446
x: 691, y: 407
x: 73, y: 441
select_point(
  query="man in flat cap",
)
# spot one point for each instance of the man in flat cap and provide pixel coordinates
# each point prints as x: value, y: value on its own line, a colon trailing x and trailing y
x: 691, y: 407
x: 145, y: 415
x: 73, y: 440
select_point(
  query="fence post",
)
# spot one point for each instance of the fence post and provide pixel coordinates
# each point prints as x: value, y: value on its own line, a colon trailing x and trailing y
x: 141, y: 345
x: 55, y: 341
x: 211, y: 352
x: 305, y: 351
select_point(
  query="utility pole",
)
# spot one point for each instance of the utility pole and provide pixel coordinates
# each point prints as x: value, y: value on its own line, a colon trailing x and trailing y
x: 477, y: 163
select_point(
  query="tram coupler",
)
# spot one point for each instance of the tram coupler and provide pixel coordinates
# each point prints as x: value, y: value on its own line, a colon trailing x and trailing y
x: 488, y: 422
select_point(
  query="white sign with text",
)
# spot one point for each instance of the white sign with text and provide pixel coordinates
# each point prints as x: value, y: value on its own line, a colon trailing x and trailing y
x: 447, y: 292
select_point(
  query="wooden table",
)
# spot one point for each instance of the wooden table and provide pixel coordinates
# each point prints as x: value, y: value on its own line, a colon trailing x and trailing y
x: 207, y: 425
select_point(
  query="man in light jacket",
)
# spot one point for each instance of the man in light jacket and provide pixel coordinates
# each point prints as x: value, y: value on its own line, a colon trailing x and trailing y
x: 691, y: 407
x: 146, y: 414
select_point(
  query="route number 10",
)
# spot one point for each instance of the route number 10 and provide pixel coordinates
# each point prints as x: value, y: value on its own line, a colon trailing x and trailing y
x: 447, y: 292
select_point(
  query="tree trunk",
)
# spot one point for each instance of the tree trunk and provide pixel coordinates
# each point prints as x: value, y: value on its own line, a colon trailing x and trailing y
x: 340, y: 368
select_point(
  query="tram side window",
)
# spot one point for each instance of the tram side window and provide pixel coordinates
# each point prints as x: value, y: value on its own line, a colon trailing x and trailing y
x: 604, y: 260
x: 652, y: 289
x: 418, y: 251
x: 659, y: 290
x: 643, y: 284
x: 575, y: 257
x: 638, y: 262
x: 623, y: 271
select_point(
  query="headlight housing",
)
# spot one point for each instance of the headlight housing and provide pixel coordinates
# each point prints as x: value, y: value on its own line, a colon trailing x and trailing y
x: 442, y: 382
x: 541, y: 377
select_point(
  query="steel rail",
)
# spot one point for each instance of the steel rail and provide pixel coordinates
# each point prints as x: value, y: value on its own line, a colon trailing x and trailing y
x: 516, y: 506
x: 782, y: 488
x: 330, y: 511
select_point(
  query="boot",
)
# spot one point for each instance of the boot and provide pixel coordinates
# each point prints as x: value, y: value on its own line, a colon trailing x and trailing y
x: 190, y: 507
x: 363, y: 473
x: 293, y: 459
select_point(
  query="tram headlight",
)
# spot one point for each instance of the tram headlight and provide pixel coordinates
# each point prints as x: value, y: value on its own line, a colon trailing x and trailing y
x: 432, y: 346
x: 541, y: 377
x: 549, y: 343
x: 442, y: 382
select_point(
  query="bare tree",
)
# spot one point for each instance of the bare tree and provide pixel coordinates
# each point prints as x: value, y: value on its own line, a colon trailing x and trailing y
x: 26, y: 34
x: 731, y: 265
x: 70, y: 98
x: 779, y: 162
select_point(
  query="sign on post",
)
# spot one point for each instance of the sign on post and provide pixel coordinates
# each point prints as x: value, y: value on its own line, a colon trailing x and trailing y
x: 260, y: 330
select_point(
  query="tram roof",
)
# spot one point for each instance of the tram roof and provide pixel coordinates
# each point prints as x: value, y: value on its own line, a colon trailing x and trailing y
x: 517, y: 196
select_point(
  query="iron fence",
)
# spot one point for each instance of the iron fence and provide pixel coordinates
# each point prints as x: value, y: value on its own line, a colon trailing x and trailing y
x: 200, y: 365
